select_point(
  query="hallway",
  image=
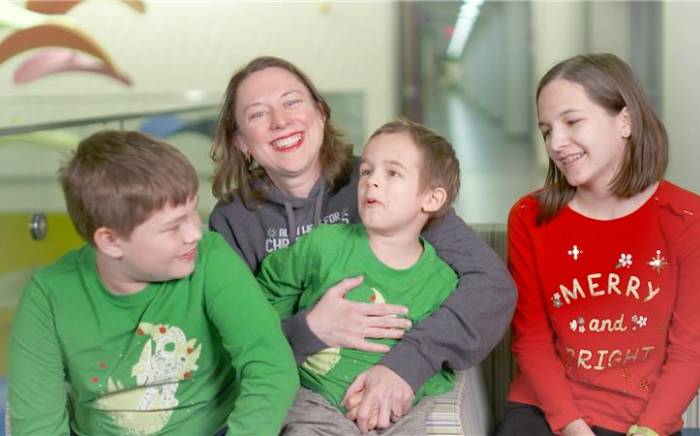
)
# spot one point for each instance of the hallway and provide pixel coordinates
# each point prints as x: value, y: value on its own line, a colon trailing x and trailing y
x: 496, y: 170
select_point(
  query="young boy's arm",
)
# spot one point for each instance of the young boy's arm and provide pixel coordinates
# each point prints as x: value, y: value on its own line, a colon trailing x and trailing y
x: 250, y: 331
x: 282, y: 276
x: 476, y: 314
x: 37, y: 393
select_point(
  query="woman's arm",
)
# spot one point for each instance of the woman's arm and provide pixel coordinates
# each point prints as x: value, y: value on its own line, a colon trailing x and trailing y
x: 333, y: 321
x: 476, y: 314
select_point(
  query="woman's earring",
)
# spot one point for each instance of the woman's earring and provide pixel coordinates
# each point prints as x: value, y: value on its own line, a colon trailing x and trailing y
x: 248, y: 157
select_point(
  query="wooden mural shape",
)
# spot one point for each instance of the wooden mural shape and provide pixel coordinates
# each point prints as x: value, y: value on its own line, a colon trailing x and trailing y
x: 52, y: 35
x: 63, y: 6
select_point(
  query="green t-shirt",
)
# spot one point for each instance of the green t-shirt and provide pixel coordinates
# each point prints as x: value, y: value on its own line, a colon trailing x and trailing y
x: 185, y: 356
x: 296, y: 277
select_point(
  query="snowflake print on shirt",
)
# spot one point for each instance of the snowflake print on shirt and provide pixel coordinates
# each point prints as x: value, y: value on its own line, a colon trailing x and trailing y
x: 625, y: 261
x: 578, y: 325
x: 575, y: 252
x: 658, y: 262
x: 556, y: 300
x: 639, y: 321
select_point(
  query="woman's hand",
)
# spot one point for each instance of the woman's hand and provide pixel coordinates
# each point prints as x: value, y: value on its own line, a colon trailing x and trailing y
x: 342, y: 323
x: 577, y: 427
x: 377, y: 398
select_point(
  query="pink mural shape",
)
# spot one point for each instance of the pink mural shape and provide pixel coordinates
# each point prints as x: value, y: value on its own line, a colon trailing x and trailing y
x: 59, y: 60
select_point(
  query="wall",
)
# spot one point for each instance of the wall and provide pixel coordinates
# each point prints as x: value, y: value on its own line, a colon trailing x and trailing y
x: 681, y: 68
x: 179, y: 46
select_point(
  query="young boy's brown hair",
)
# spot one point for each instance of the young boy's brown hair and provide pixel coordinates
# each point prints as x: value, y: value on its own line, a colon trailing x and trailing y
x: 440, y: 164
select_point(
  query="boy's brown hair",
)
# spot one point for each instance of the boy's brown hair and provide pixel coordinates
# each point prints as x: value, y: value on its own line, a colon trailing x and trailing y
x: 117, y: 179
x: 232, y: 169
x: 612, y: 85
x: 440, y: 164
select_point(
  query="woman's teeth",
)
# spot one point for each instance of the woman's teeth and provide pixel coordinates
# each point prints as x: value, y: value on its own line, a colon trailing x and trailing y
x: 287, y: 142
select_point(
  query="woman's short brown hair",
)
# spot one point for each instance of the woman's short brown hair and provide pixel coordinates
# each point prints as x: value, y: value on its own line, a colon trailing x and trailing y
x: 117, y: 179
x: 611, y: 84
x: 231, y: 164
x: 440, y: 166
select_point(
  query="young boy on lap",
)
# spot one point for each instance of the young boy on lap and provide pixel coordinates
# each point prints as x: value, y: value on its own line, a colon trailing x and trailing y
x: 409, y: 176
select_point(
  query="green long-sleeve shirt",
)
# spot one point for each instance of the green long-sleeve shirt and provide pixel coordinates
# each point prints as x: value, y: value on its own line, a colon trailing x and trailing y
x: 186, y: 356
x: 296, y: 277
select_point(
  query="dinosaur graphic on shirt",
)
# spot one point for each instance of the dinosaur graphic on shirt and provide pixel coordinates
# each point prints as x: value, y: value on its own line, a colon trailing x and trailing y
x: 167, y: 358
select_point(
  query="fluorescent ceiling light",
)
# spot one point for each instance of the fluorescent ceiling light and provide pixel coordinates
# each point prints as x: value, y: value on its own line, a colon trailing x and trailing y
x: 468, y: 13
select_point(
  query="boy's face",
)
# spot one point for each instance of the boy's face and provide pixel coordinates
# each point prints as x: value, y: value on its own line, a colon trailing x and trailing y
x: 390, y: 199
x: 164, y: 247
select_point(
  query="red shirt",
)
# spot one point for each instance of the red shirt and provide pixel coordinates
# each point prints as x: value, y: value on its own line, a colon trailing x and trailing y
x: 607, y: 326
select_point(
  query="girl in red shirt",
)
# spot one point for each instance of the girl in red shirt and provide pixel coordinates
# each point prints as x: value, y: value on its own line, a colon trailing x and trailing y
x: 606, y: 257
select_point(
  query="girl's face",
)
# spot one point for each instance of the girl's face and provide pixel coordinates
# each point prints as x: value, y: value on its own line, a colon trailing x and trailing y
x: 280, y: 124
x: 583, y: 139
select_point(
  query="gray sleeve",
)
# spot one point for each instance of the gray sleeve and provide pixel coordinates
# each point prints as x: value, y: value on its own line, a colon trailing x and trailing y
x: 219, y: 222
x: 472, y: 319
x: 303, y: 341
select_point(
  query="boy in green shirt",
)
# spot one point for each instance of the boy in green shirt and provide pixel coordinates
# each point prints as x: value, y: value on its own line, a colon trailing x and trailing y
x: 150, y: 327
x: 409, y: 177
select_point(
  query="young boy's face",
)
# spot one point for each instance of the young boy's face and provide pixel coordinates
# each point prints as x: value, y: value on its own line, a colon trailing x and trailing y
x: 164, y: 247
x: 390, y: 198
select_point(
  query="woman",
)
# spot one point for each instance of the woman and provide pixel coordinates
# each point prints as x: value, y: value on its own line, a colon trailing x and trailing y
x: 277, y: 144
x: 606, y: 258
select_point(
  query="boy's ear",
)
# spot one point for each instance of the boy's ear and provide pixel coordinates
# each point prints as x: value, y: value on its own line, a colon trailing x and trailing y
x: 108, y: 242
x: 434, y: 199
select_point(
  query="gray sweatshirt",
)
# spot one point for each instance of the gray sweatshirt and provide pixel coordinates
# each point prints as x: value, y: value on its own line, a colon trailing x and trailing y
x: 459, y: 334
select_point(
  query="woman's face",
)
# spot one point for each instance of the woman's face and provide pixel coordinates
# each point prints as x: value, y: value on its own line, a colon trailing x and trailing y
x: 585, y: 141
x: 280, y: 124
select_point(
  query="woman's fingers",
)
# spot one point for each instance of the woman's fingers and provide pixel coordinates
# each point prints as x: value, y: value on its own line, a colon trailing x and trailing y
x: 384, y: 333
x: 380, y: 309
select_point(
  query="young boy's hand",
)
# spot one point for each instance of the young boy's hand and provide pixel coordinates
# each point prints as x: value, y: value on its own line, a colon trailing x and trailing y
x: 385, y: 398
x: 342, y: 323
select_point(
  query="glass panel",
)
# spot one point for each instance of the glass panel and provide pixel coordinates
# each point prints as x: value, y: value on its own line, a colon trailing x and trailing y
x: 28, y: 183
x: 29, y: 163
